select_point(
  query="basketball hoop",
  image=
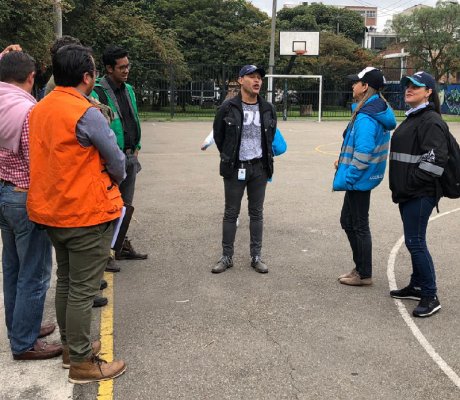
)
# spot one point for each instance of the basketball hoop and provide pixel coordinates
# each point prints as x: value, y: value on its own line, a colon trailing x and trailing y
x: 300, y: 52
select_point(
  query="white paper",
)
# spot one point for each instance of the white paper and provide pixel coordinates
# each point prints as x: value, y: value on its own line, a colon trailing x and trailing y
x: 116, y: 230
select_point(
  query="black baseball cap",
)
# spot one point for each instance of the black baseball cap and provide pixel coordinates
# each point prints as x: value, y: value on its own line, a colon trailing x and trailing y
x: 420, y: 79
x: 249, y: 69
x: 370, y: 75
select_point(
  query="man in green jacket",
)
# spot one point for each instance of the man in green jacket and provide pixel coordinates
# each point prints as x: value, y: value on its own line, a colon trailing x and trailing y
x: 114, y: 91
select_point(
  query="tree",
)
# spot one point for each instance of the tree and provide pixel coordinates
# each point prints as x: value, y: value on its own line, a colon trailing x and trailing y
x: 339, y: 54
x: 154, y: 52
x: 98, y: 23
x: 214, y: 31
x: 433, y: 37
x: 318, y: 17
x: 339, y: 57
x: 29, y: 23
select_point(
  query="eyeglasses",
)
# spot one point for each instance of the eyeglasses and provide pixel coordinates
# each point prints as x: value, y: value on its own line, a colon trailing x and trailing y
x: 125, y: 67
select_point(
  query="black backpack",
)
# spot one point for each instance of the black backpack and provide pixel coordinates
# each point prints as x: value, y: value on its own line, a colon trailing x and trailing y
x: 450, y: 179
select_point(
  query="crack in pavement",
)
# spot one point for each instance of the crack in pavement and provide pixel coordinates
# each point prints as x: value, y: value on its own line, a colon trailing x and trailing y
x: 287, y: 357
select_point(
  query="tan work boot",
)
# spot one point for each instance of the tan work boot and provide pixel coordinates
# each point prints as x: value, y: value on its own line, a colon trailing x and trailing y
x: 95, y: 369
x: 350, y: 274
x: 356, y: 281
x: 96, y: 345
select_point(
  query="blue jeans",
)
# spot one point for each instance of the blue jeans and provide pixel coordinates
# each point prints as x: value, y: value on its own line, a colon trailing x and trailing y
x: 354, y: 220
x: 415, y: 214
x: 26, y: 262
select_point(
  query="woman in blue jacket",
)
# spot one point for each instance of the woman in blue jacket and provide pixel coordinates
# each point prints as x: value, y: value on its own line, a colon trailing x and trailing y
x: 361, y: 167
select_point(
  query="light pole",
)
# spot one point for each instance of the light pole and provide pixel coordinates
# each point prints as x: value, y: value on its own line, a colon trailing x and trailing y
x: 57, y: 19
x: 271, y: 62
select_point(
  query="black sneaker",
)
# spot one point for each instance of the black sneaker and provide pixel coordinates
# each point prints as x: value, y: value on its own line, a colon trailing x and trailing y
x: 407, y: 293
x: 103, y: 284
x: 428, y: 306
x: 100, y: 301
x: 112, y: 266
x: 224, y: 263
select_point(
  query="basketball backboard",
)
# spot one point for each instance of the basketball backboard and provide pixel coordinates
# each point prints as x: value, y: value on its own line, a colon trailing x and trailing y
x: 295, y: 43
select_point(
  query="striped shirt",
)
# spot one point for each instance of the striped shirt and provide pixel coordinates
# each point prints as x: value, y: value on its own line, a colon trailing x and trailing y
x: 14, y: 168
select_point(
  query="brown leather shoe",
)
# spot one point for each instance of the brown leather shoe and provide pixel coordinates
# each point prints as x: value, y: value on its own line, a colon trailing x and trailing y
x: 96, y: 345
x: 356, y: 281
x: 128, y: 253
x: 350, y: 274
x: 95, y: 369
x: 40, y: 351
x: 46, y: 330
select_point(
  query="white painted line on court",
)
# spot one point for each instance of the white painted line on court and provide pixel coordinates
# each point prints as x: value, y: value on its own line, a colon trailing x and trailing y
x: 451, y: 374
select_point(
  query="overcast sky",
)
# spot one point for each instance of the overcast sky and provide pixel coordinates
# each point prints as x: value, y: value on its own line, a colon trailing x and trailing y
x: 386, y: 8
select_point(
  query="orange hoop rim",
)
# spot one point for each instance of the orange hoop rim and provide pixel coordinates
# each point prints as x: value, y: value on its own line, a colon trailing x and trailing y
x: 300, y: 52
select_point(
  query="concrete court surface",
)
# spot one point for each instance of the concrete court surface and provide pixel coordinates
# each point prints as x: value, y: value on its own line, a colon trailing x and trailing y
x: 295, y: 333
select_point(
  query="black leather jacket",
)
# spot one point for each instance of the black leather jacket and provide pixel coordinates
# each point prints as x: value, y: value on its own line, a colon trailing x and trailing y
x: 227, y: 134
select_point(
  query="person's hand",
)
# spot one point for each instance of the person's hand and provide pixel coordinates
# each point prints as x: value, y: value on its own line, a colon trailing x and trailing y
x: 136, y: 152
x: 204, y: 146
x: 336, y: 164
x: 11, y: 47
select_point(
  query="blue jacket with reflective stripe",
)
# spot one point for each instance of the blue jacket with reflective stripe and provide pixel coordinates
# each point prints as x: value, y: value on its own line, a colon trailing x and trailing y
x: 364, y: 151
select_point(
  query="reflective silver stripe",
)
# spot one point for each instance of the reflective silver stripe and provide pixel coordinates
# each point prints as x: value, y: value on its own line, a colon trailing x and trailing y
x: 348, y: 149
x: 403, y: 157
x: 382, y: 147
x: 434, y: 169
x: 358, y: 164
x: 363, y: 156
x: 379, y: 159
x: 370, y: 159
x: 346, y: 160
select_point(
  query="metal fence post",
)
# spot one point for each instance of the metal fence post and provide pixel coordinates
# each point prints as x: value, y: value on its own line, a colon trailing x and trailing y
x: 285, y: 101
x: 224, y: 80
x: 172, y: 91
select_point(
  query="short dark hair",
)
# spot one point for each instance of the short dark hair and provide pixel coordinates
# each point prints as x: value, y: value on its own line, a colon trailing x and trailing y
x: 70, y: 63
x: 16, y: 66
x: 112, y: 54
x: 63, y: 41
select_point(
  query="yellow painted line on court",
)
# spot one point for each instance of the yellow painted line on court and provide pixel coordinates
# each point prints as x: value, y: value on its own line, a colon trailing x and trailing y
x: 330, y: 152
x: 105, y: 391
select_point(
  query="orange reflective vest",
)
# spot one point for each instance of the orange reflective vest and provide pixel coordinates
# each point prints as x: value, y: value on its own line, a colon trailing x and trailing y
x: 69, y: 185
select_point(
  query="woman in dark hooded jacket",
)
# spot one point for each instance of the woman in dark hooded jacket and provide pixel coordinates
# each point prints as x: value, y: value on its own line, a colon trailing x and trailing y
x: 418, y: 156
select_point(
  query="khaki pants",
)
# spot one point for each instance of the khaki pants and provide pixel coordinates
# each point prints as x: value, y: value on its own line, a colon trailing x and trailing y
x: 81, y: 255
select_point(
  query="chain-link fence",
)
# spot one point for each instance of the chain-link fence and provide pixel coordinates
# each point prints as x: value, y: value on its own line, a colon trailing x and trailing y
x: 164, y: 91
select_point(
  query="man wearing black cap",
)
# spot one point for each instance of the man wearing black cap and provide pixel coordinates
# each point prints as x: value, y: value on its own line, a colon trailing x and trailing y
x: 244, y: 128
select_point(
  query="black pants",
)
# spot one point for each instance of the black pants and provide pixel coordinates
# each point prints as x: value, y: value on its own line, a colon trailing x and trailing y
x: 255, y: 182
x: 127, y: 187
x: 355, y: 222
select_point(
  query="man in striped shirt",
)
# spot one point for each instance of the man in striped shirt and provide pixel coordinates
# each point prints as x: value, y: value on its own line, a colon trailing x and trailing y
x: 26, y: 248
